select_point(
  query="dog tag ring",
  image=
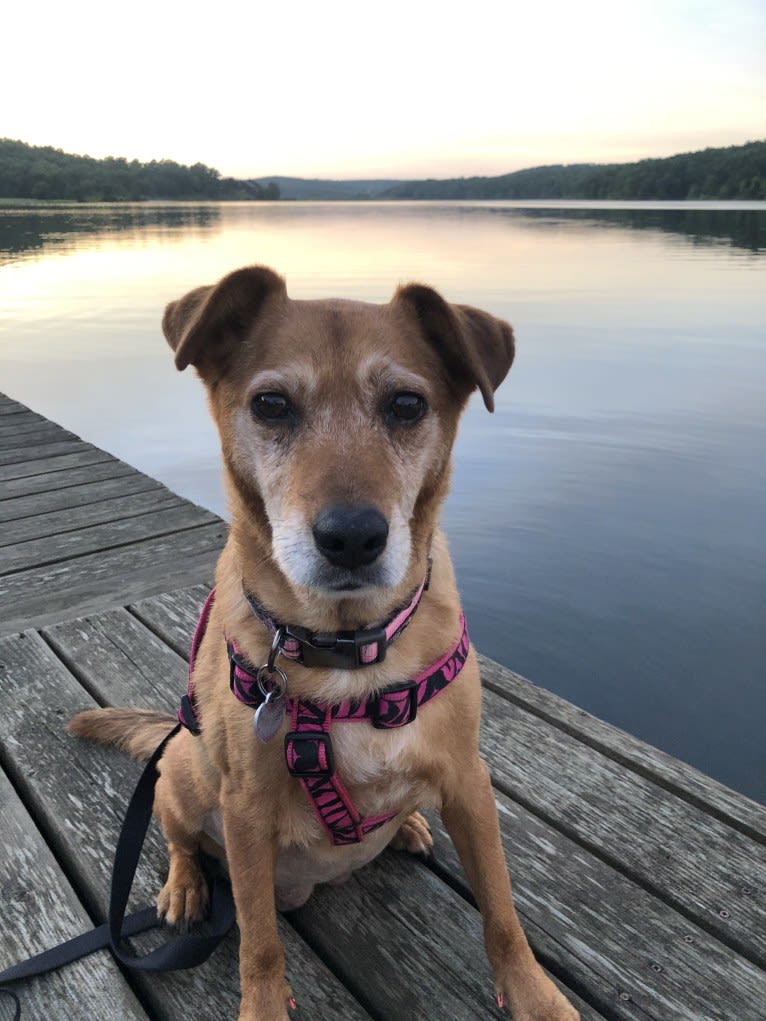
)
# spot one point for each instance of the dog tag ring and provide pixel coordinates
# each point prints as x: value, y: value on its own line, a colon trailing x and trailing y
x: 271, y: 712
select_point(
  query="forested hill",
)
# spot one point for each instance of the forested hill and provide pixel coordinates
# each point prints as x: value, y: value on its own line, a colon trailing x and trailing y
x: 41, y: 172
x: 736, y: 172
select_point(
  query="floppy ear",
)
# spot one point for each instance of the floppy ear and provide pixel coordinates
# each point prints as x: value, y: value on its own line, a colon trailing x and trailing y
x: 476, y: 348
x: 208, y: 322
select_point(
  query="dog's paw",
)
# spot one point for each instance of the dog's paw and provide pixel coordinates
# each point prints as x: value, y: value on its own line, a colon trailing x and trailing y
x: 184, y: 897
x: 414, y: 835
x: 265, y: 1009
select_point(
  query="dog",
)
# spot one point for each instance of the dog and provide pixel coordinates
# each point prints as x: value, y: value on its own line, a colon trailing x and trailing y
x: 334, y: 591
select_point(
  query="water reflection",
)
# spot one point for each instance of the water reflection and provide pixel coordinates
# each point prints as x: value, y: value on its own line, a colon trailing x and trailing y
x: 30, y: 230
x: 25, y: 230
x: 741, y: 228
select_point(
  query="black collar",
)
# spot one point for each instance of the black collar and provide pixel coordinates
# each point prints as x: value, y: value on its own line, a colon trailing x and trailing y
x: 344, y: 650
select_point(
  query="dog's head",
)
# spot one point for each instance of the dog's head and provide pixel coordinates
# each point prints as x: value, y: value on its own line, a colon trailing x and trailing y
x: 337, y: 419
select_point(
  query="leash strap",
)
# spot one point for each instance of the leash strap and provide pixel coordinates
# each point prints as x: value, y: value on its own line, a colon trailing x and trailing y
x: 182, y: 951
x: 178, y: 953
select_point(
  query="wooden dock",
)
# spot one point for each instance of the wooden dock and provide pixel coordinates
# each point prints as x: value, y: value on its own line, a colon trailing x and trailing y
x: 641, y: 882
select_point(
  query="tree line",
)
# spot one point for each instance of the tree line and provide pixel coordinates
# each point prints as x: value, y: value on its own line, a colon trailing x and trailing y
x: 734, y: 172
x: 42, y: 172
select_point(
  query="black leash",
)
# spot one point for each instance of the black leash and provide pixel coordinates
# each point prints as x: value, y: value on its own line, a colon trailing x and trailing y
x: 177, y: 953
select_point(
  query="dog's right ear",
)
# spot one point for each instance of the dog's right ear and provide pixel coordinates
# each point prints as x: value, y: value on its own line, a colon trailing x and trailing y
x: 205, y: 325
x: 476, y: 347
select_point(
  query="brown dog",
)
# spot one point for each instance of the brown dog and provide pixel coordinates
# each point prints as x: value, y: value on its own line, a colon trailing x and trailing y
x: 337, y: 421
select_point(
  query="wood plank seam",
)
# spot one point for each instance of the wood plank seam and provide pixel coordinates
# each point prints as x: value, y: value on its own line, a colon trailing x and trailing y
x: 100, y: 456
x: 549, y: 961
x: 678, y: 790
x: 152, y: 484
x: 173, y: 501
x: 120, y: 468
x: 107, y: 549
x: 618, y: 865
x: 158, y: 633
x: 353, y: 982
x: 69, y: 664
x: 169, y: 640
x: 42, y: 451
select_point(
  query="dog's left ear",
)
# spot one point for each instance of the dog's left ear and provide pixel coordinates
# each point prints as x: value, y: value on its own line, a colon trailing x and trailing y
x: 476, y: 348
x: 205, y: 325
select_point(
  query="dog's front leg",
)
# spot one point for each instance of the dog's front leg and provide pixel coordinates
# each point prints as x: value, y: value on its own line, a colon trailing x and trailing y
x: 251, y: 850
x: 470, y: 816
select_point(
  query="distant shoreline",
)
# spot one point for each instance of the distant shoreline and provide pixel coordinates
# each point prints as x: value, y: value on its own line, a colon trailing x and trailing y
x: 756, y: 205
x: 734, y: 173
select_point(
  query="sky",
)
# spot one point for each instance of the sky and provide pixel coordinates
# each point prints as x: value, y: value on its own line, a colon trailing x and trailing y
x: 350, y: 89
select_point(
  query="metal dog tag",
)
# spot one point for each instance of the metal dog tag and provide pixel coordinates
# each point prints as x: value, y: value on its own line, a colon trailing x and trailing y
x: 268, y: 716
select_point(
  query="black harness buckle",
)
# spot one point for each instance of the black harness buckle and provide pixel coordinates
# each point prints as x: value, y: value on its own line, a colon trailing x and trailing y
x: 309, y: 755
x: 396, y: 706
x: 341, y: 650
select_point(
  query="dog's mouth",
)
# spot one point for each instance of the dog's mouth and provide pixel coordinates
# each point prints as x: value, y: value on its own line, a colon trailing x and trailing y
x: 361, y: 581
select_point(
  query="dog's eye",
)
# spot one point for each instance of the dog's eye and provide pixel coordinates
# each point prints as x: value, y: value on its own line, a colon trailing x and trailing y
x: 405, y: 408
x: 272, y: 407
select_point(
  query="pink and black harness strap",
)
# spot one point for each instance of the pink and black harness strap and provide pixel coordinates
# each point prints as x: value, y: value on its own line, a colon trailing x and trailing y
x: 308, y: 745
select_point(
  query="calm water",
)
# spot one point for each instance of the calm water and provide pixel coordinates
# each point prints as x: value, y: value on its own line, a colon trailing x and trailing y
x: 607, y: 522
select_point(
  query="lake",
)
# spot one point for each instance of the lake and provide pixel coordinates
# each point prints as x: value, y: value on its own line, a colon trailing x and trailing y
x: 607, y: 522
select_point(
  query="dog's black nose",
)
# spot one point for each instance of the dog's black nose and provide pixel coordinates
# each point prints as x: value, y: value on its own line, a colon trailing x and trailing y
x: 350, y: 536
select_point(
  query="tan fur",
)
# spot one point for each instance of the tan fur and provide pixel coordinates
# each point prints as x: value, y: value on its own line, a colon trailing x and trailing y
x: 135, y: 731
x: 338, y: 363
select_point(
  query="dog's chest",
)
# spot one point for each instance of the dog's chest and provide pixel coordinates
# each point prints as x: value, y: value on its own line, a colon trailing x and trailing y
x: 376, y: 766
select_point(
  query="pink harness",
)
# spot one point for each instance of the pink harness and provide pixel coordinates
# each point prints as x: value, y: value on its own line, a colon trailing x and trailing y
x: 308, y: 745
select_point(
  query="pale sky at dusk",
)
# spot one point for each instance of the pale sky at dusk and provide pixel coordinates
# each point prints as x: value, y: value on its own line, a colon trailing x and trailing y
x: 404, y: 89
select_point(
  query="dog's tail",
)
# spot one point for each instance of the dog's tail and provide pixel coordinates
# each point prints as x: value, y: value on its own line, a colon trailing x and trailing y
x: 136, y: 731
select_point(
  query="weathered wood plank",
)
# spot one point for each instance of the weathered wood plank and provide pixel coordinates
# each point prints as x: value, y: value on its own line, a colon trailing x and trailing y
x: 676, y: 776
x: 120, y: 661
x: 61, y: 506
x: 173, y: 615
x: 706, y: 870
x: 74, y: 519
x: 100, y: 580
x: 59, y: 463
x: 159, y: 514
x: 19, y: 425
x: 403, y: 939
x: 33, y: 433
x: 12, y: 408
x: 651, y: 958
x: 61, y: 481
x: 590, y: 897
x: 81, y: 817
x: 38, y: 910
x: 41, y: 451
